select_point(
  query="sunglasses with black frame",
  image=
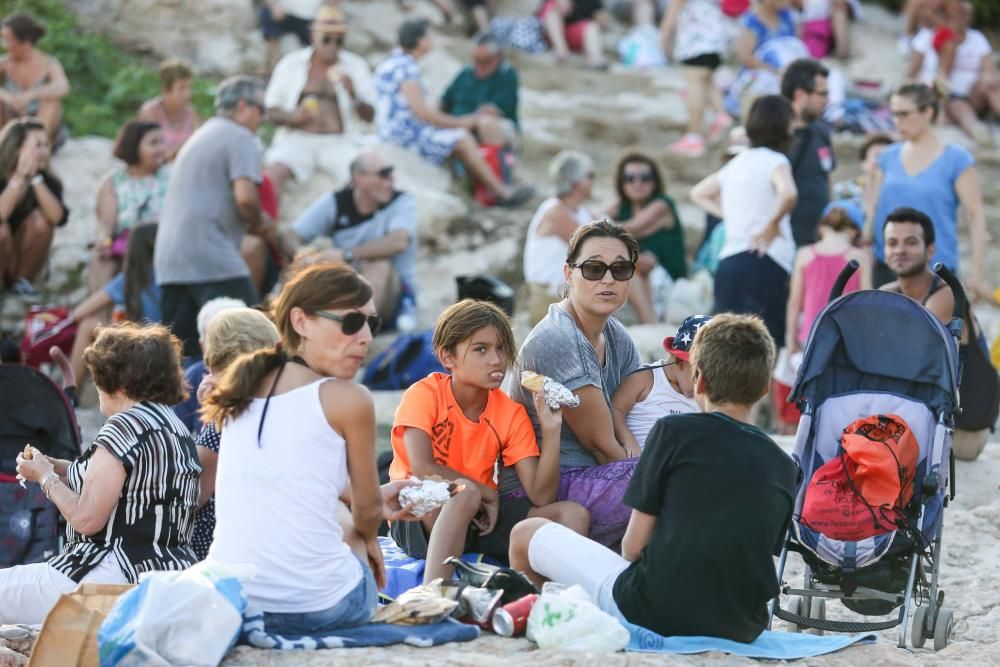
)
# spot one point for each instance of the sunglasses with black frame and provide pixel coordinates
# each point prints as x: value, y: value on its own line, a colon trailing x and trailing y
x: 594, y: 269
x: 332, y: 39
x: 352, y: 322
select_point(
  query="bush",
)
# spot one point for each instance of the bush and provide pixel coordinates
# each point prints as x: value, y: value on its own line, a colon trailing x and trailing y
x: 108, y: 85
x: 987, y: 11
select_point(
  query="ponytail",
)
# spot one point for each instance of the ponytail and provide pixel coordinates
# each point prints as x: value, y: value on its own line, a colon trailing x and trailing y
x: 236, y: 387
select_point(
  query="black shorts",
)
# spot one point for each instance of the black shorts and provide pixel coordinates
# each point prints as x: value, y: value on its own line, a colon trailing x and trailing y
x: 707, y: 60
x: 272, y: 29
x: 411, y: 537
x: 180, y: 303
x: 749, y: 284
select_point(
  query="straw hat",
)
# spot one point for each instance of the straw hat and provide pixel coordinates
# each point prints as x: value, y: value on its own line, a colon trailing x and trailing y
x: 330, y: 20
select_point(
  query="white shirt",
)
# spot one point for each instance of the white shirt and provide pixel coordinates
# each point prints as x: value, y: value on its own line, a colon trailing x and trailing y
x: 292, y: 73
x: 544, y: 256
x: 662, y: 400
x: 749, y: 200
x: 968, y: 60
x: 276, y: 504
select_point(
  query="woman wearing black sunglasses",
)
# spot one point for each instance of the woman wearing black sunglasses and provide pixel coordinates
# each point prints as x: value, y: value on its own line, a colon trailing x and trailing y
x: 647, y: 213
x: 580, y: 344
x: 298, y: 439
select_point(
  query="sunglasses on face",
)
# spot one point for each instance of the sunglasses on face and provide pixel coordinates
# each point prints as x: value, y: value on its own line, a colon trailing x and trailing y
x: 352, y: 322
x: 645, y: 177
x: 594, y: 269
x: 333, y: 39
x: 384, y: 172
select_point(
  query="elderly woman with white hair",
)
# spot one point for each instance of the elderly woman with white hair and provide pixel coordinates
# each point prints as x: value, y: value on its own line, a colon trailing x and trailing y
x: 572, y: 174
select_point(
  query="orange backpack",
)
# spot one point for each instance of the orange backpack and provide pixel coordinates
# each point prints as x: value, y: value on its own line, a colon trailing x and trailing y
x: 864, y: 491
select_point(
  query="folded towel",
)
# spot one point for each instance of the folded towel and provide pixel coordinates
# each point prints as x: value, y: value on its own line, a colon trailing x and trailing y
x: 373, y: 634
x: 770, y: 645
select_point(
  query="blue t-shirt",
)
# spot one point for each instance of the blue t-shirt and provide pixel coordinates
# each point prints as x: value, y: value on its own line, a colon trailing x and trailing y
x: 115, y: 289
x: 931, y: 191
x: 765, y: 33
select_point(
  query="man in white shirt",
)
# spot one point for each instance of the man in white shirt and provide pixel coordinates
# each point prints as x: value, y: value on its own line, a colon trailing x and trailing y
x: 317, y: 96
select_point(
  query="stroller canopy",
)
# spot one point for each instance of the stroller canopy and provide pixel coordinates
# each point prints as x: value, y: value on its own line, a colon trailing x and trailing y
x: 879, y: 341
x: 34, y: 410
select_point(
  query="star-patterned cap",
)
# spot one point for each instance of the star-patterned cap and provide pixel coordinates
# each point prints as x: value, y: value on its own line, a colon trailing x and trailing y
x: 679, y: 344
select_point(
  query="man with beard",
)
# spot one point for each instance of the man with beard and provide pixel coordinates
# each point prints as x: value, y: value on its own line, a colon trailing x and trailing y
x: 909, y: 246
x: 804, y: 84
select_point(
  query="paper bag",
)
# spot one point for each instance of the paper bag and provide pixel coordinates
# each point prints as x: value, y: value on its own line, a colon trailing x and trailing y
x: 69, y: 633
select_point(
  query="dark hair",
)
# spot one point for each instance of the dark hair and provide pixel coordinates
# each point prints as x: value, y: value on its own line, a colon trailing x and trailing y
x: 913, y: 216
x: 138, y: 268
x: 129, y: 137
x: 321, y: 286
x: 411, y: 31
x: 12, y: 138
x: 872, y: 141
x: 602, y: 229
x: 25, y: 28
x: 173, y: 70
x: 769, y: 123
x: 143, y: 361
x: 801, y: 75
x: 632, y: 157
x: 460, y: 320
x: 922, y: 95
x: 735, y: 355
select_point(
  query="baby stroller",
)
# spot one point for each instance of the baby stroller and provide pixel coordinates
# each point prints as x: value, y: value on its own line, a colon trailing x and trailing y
x: 32, y: 410
x: 854, y: 365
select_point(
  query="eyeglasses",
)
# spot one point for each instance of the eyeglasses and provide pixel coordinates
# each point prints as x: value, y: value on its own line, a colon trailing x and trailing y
x: 332, y: 39
x: 645, y: 177
x: 352, y: 322
x: 594, y: 269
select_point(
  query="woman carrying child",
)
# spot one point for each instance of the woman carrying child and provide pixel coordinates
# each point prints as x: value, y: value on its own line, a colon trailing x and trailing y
x: 655, y: 391
x: 457, y: 425
x: 581, y: 345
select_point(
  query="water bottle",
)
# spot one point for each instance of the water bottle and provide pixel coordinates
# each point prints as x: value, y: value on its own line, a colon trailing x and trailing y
x: 406, y: 320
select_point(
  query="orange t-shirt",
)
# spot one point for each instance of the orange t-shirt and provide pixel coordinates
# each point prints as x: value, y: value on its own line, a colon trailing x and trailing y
x: 469, y: 448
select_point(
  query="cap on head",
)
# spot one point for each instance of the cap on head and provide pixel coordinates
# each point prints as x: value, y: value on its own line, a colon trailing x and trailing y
x: 679, y: 344
x: 330, y: 20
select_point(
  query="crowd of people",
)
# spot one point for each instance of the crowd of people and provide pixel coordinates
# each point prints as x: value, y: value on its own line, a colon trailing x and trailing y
x: 236, y: 431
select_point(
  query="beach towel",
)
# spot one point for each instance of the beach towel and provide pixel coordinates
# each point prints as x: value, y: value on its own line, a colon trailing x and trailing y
x: 403, y: 572
x: 770, y: 645
x: 373, y: 634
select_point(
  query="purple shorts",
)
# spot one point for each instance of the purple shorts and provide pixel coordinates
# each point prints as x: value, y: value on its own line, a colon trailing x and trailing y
x: 601, y: 489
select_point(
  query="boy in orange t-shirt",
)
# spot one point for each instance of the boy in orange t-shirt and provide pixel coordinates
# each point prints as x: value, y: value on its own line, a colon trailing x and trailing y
x: 457, y: 426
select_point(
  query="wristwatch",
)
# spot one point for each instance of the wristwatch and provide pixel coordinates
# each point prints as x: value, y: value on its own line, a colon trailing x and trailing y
x: 349, y: 256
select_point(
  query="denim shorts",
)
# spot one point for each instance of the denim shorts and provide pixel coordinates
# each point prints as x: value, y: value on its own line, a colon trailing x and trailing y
x: 355, y: 609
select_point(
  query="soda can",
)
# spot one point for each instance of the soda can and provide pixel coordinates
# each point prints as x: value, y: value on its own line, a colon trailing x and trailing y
x: 511, y: 619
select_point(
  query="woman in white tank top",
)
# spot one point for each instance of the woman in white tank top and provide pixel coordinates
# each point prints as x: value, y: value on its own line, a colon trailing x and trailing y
x: 298, y: 443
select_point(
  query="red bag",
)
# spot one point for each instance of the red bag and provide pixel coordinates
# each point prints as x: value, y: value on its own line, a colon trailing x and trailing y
x: 863, y: 492
x: 735, y: 8
x: 45, y: 326
x: 501, y: 161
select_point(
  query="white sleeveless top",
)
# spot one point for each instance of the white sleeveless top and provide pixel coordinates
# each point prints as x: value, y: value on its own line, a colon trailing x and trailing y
x: 276, y: 504
x: 544, y: 256
x: 661, y: 401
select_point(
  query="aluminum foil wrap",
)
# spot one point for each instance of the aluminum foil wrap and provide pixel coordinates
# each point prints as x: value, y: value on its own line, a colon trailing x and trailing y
x: 432, y: 493
x: 557, y: 395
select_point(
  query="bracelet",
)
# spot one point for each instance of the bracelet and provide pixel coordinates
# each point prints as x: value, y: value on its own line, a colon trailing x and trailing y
x: 47, y: 482
x: 37, y: 179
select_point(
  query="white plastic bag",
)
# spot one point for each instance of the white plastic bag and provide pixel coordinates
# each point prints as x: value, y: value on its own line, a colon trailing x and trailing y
x: 567, y: 619
x: 175, y: 619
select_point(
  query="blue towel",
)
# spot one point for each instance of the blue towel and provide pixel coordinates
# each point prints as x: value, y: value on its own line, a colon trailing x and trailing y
x: 770, y: 645
x: 402, y: 572
x: 373, y: 634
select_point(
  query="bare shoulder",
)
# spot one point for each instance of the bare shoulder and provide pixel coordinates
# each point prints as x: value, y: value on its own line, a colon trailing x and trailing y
x: 890, y: 287
x: 638, y: 383
x: 343, y: 395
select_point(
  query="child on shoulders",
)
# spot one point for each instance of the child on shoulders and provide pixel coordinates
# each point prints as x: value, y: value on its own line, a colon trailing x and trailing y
x: 458, y: 425
x: 711, y: 501
x: 657, y: 390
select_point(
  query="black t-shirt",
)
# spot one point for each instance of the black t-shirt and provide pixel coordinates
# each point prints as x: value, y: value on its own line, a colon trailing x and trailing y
x: 812, y: 163
x: 29, y: 202
x: 722, y: 493
x: 583, y: 10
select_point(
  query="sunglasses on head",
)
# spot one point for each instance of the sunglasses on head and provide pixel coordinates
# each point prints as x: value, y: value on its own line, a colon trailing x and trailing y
x: 594, y: 269
x: 645, y: 177
x: 333, y: 39
x: 352, y: 322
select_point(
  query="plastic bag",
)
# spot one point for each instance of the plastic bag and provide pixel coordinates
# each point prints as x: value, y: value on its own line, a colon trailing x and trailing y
x: 189, y: 618
x: 641, y: 48
x: 567, y: 619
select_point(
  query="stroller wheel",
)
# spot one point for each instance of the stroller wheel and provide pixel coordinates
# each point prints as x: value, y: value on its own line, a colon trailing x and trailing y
x: 942, y: 627
x: 918, y: 629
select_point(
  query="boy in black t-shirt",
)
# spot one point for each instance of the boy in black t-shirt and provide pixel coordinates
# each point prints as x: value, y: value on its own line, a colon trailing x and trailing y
x: 711, y: 499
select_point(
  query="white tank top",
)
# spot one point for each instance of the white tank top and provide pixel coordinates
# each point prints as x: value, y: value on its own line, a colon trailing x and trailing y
x: 661, y: 401
x: 544, y: 256
x: 276, y: 504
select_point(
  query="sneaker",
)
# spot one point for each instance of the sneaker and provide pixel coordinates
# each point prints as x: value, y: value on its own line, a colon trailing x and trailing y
x: 24, y: 289
x: 690, y: 145
x: 519, y: 195
x: 719, y: 126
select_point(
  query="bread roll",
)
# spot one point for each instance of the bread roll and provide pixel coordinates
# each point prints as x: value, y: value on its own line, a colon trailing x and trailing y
x: 532, y: 381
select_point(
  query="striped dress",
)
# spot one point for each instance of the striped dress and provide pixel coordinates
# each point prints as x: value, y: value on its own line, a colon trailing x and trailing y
x: 153, y: 520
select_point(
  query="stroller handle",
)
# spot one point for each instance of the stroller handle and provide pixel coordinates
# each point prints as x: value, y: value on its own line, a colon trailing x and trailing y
x: 841, y: 282
x: 958, y: 310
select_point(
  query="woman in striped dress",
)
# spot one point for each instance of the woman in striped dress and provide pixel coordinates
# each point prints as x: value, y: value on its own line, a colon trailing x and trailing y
x: 129, y: 501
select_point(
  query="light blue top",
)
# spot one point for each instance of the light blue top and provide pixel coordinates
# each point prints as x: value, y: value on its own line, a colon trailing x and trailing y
x: 931, y: 191
x: 150, y: 296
